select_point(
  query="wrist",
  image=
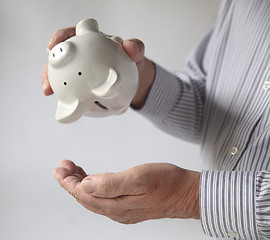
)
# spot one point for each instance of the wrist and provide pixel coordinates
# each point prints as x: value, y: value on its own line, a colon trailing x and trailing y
x: 195, y: 196
x: 189, y: 207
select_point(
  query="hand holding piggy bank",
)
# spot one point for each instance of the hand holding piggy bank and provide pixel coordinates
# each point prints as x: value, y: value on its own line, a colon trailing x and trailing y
x: 91, y: 74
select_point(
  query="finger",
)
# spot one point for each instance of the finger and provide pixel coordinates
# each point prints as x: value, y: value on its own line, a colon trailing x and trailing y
x: 81, y: 172
x: 104, y: 206
x: 57, y: 37
x: 65, y: 178
x: 69, y: 165
x: 60, y: 36
x: 61, y: 173
x: 93, y: 209
x: 112, y: 185
x: 135, y: 49
x: 109, y: 185
x: 70, y: 182
x: 47, y: 90
x: 73, y: 168
x: 112, y: 206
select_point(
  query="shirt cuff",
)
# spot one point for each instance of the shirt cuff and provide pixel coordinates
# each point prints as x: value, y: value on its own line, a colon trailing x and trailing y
x: 162, y: 95
x: 227, y: 204
x: 263, y: 204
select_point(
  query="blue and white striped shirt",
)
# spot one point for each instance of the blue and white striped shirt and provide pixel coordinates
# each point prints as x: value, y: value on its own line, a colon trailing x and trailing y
x: 221, y: 100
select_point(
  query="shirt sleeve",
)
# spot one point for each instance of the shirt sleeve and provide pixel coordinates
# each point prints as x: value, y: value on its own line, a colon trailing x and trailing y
x: 175, y: 102
x: 235, y: 204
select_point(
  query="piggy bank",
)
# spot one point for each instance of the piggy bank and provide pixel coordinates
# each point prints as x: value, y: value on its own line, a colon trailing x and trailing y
x: 91, y: 74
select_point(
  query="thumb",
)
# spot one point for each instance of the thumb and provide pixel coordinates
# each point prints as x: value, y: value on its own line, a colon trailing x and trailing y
x: 135, y: 49
x: 107, y: 185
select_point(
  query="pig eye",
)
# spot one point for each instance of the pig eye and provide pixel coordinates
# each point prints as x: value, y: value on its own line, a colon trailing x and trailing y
x: 65, y: 83
x: 79, y: 73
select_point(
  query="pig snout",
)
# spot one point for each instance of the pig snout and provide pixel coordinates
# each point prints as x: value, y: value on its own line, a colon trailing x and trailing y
x: 61, y: 54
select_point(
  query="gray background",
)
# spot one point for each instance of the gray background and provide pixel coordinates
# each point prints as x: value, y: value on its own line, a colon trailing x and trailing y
x: 32, y: 205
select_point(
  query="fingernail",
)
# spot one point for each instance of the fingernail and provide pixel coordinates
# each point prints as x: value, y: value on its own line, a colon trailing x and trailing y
x: 88, y: 186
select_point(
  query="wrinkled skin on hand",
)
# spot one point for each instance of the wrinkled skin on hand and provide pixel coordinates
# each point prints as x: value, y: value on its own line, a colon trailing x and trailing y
x: 149, y: 191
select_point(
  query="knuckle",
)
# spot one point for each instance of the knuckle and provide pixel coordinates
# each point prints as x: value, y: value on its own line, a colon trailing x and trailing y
x: 140, y: 44
x: 58, y: 35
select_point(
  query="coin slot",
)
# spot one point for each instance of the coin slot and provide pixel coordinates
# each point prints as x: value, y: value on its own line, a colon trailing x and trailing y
x: 100, y: 105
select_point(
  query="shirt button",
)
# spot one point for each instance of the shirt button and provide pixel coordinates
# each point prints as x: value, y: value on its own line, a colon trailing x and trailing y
x: 266, y: 86
x: 234, y: 150
x: 233, y: 235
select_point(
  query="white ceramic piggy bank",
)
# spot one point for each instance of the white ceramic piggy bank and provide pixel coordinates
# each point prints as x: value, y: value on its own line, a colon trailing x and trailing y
x: 91, y: 74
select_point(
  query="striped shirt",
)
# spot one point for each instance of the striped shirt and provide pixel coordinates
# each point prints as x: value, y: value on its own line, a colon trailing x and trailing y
x: 220, y: 99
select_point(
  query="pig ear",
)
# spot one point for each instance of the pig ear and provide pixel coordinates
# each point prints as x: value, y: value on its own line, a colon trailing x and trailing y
x: 103, y: 90
x: 87, y: 26
x: 67, y: 113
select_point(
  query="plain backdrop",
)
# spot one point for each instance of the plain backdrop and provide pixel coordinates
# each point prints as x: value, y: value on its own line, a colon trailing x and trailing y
x: 32, y: 204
